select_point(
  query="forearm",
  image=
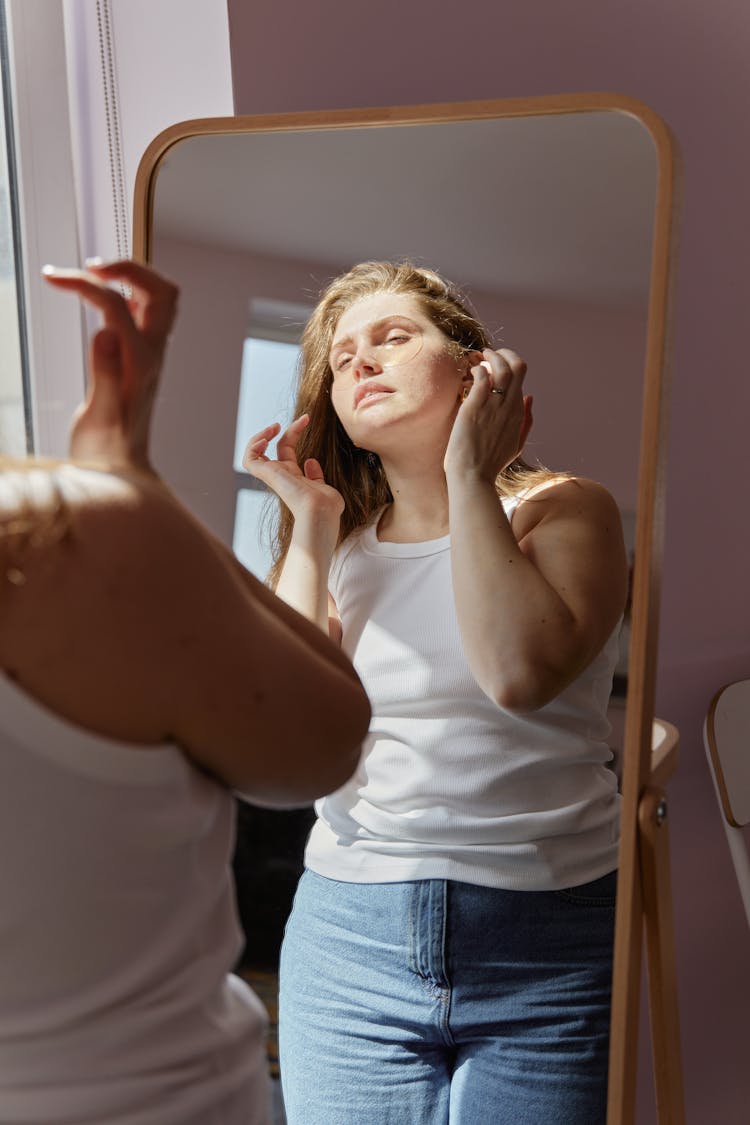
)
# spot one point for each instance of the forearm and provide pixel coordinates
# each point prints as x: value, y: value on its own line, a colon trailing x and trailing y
x: 519, y: 635
x: 297, y: 620
x: 304, y: 577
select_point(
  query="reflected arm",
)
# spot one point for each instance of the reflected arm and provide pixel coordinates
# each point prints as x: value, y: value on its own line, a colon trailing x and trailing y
x: 535, y: 602
x: 304, y: 578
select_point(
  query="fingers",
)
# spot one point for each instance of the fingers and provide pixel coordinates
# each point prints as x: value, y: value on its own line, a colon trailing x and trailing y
x: 258, y: 444
x: 261, y: 468
x: 513, y: 360
x: 504, y: 367
x: 154, y: 300
x: 96, y: 292
x: 285, y: 447
x: 500, y: 374
x: 287, y: 443
x: 313, y: 470
x: 150, y: 311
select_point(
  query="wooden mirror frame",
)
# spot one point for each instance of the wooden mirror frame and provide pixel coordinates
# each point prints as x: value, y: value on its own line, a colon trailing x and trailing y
x: 649, y: 755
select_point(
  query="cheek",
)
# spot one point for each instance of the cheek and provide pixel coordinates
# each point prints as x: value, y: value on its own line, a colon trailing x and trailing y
x: 338, y: 401
x: 444, y: 381
x: 341, y: 402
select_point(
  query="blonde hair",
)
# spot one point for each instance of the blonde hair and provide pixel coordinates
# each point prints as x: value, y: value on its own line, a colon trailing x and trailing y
x: 357, y: 474
x: 29, y: 520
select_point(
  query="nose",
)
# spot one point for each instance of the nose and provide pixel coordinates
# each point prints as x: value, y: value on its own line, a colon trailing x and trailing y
x: 365, y: 363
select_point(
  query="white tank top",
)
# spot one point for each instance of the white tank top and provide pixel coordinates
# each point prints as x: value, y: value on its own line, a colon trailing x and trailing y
x: 117, y: 932
x: 450, y: 786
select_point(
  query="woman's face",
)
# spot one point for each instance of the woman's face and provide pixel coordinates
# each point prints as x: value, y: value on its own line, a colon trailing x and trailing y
x: 394, y: 374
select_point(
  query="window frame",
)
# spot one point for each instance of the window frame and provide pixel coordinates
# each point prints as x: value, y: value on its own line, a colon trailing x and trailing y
x: 47, y: 224
x: 281, y: 322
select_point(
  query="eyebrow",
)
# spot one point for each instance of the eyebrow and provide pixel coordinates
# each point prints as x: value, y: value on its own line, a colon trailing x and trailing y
x: 374, y: 326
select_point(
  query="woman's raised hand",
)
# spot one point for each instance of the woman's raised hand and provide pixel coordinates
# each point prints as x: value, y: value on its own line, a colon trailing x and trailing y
x: 494, y: 419
x: 303, y: 490
x: 125, y: 359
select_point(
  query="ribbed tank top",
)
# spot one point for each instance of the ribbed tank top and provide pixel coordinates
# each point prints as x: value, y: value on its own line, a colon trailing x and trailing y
x: 450, y: 786
x: 117, y: 933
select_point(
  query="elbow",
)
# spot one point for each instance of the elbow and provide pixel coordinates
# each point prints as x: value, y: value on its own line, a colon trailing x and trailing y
x: 337, y: 745
x: 525, y: 690
x: 304, y: 787
x: 331, y: 756
x: 517, y: 701
x: 322, y: 778
x: 347, y: 729
x: 348, y: 737
x: 334, y: 774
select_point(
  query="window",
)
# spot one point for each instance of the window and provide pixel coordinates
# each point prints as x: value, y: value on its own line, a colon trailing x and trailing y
x: 38, y: 158
x: 15, y: 427
x: 268, y: 386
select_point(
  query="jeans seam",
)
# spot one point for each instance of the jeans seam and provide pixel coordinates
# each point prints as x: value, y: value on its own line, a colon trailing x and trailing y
x: 583, y: 900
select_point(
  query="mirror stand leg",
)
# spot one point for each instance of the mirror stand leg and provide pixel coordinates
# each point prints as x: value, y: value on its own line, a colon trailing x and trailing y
x: 660, y: 955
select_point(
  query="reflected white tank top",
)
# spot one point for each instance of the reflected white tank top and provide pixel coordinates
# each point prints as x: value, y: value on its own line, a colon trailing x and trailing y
x: 117, y: 933
x: 450, y: 786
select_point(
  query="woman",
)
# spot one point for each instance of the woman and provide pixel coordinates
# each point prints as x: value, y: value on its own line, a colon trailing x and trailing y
x: 448, y: 957
x: 144, y: 678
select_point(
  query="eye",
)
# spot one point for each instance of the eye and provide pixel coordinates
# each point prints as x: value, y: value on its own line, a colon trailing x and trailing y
x: 342, y: 363
x: 397, y: 338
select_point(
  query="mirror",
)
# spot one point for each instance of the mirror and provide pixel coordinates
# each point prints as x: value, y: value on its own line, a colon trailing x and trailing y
x: 552, y: 214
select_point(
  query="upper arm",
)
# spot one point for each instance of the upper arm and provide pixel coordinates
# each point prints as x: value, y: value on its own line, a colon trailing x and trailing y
x: 252, y: 700
x: 137, y: 627
x: 572, y: 532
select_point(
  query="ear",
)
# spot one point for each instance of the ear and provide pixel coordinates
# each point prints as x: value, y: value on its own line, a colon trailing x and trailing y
x: 473, y: 358
x: 468, y: 360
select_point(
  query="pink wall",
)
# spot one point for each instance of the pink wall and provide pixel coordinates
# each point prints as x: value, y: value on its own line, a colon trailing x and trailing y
x: 688, y: 60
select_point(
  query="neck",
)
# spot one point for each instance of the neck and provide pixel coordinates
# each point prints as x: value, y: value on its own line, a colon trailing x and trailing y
x: 420, y: 502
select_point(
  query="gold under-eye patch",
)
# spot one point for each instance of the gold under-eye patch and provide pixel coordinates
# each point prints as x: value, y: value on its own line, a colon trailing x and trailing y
x: 398, y: 350
x: 399, y: 345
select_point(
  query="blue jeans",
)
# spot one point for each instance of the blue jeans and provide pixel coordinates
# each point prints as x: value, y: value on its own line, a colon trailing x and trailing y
x: 430, y: 1002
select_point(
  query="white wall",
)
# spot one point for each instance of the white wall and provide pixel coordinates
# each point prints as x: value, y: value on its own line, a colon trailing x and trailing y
x: 171, y: 62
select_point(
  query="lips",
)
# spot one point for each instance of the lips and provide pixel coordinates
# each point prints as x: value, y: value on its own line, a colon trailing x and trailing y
x: 367, y: 390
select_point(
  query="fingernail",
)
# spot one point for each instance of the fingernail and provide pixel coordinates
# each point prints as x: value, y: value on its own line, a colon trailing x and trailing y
x: 62, y: 271
x: 94, y: 262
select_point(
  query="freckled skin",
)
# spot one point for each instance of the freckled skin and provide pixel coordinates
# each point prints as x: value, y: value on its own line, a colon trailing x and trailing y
x: 425, y: 389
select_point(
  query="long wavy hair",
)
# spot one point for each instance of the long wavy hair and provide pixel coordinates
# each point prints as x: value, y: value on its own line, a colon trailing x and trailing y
x: 356, y: 473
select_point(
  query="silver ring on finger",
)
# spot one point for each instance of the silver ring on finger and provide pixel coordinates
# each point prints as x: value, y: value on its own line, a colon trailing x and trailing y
x: 498, y: 391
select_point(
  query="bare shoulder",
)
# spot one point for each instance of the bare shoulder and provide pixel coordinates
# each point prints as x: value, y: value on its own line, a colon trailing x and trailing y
x: 572, y: 531
x: 567, y: 500
x: 43, y: 504
x: 93, y: 574
x: 127, y: 519
x: 49, y: 511
x: 121, y: 521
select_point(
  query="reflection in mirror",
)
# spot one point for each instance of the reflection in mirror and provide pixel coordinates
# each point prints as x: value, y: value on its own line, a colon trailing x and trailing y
x: 545, y: 222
